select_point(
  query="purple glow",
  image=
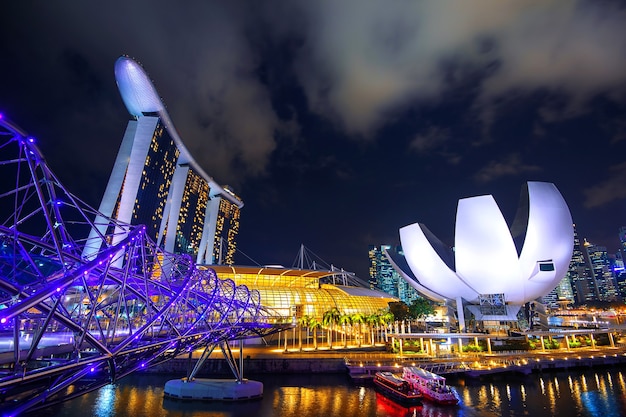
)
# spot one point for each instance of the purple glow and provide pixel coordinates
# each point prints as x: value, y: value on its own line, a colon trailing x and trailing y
x: 92, y: 369
x: 1, y: 116
x: 58, y: 289
x: 3, y: 320
x: 58, y: 202
x: 31, y: 139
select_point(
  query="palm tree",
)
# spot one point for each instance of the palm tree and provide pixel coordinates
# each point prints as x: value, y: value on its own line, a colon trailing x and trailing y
x: 373, y: 320
x: 358, y: 318
x: 314, y: 324
x: 330, y: 319
x: 387, y: 318
x: 303, y: 322
x: 345, y: 320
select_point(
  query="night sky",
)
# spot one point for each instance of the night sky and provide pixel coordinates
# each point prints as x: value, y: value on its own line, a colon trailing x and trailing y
x: 338, y: 122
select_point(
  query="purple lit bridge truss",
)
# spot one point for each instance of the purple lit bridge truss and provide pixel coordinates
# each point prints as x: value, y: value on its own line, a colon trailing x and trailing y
x: 71, y: 324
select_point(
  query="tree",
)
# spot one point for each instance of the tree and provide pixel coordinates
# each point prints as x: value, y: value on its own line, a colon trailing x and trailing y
x: 399, y: 309
x: 359, y: 319
x: 373, y: 321
x: 386, y: 317
x: 303, y: 322
x: 314, y: 324
x: 330, y: 319
x: 345, y: 320
x: 420, y: 309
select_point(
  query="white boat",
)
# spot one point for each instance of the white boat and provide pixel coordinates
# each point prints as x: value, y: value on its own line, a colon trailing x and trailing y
x: 397, y: 388
x: 432, y: 386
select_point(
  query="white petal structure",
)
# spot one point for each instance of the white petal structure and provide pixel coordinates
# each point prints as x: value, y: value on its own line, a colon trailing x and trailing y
x: 523, y: 263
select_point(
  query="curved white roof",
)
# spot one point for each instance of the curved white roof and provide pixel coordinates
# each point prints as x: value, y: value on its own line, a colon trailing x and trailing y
x: 486, y: 260
x: 137, y: 90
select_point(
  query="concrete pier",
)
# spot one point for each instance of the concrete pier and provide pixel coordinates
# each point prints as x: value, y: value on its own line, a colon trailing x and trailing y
x: 213, y: 389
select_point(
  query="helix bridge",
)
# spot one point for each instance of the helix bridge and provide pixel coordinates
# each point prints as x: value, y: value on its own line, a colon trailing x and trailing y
x: 70, y: 324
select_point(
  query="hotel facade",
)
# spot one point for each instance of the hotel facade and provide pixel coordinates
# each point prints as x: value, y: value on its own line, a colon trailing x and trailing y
x: 156, y: 182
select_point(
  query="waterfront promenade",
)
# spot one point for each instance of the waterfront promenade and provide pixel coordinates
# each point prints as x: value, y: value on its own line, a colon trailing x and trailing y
x: 363, y: 362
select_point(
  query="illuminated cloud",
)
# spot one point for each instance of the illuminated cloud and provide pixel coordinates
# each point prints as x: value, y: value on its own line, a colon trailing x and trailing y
x: 362, y: 60
x: 609, y: 190
x: 507, y: 166
x: 524, y: 263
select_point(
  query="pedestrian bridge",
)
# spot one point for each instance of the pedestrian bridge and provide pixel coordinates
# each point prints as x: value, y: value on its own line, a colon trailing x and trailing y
x: 69, y: 325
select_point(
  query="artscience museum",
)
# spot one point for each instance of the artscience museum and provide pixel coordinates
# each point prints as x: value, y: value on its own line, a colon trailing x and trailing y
x: 492, y: 269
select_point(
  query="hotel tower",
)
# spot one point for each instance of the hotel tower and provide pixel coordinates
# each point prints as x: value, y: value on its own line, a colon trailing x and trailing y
x: 156, y: 182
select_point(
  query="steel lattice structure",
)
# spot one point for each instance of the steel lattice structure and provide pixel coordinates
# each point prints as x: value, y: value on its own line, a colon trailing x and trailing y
x: 69, y: 325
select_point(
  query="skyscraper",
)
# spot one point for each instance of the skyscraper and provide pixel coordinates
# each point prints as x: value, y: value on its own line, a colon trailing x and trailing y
x: 602, y: 272
x: 561, y: 293
x: 156, y: 182
x: 384, y: 277
x: 622, y: 241
x: 580, y: 275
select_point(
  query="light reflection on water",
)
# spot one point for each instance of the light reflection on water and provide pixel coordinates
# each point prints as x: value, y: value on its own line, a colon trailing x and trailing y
x: 586, y: 393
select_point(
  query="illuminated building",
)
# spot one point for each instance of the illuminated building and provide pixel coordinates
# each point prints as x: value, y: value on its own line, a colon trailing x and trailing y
x: 224, y: 228
x: 156, y: 182
x: 580, y: 276
x: 561, y: 294
x: 296, y: 293
x: 385, y: 278
x: 622, y: 240
x: 494, y: 269
x: 602, y: 272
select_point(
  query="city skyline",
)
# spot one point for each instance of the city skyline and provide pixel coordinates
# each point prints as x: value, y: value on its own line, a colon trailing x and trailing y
x: 337, y: 124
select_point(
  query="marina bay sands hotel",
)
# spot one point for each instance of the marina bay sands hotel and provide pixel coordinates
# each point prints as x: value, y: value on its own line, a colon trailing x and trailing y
x: 156, y: 182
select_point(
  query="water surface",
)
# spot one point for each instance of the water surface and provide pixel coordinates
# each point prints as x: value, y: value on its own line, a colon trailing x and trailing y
x: 591, y: 392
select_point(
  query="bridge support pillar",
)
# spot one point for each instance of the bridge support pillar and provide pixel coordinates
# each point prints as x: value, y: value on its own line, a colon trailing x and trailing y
x: 192, y: 388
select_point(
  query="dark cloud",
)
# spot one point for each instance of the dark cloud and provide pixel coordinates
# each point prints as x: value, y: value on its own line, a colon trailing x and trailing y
x: 374, y: 111
x: 608, y: 190
x: 509, y: 165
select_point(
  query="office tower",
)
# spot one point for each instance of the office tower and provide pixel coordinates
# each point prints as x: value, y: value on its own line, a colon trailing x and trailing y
x: 156, y: 182
x: 561, y: 294
x: 385, y: 278
x: 622, y: 240
x: 580, y: 275
x: 606, y: 286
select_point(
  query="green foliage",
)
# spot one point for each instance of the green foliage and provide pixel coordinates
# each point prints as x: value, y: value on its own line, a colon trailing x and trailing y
x: 472, y: 348
x: 420, y: 308
x: 399, y: 309
x: 331, y: 317
x: 551, y: 344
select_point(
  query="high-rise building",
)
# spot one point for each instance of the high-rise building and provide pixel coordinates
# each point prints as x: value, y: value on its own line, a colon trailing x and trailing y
x: 622, y: 240
x: 224, y: 228
x: 562, y: 293
x: 580, y: 276
x: 602, y: 271
x: 385, y: 278
x: 156, y: 182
